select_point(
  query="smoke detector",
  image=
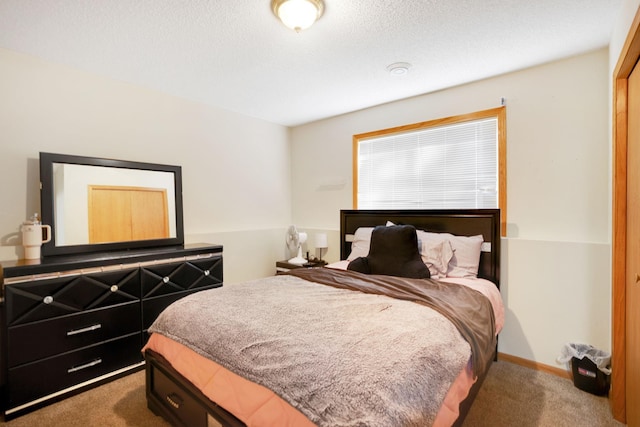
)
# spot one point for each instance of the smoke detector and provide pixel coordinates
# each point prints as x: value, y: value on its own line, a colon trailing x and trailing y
x: 398, y: 68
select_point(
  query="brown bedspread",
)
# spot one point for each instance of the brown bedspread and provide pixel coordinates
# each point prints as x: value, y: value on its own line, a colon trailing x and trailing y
x: 340, y: 357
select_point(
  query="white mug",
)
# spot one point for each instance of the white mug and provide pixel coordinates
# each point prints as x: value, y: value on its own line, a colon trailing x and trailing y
x: 34, y: 235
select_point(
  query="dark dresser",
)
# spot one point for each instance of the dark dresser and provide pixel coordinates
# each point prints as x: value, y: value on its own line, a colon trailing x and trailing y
x: 69, y: 323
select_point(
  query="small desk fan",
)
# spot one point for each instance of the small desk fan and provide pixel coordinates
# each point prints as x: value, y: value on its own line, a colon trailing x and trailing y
x: 295, y: 239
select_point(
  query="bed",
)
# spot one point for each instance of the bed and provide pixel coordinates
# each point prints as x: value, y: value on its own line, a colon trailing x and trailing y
x: 342, y: 348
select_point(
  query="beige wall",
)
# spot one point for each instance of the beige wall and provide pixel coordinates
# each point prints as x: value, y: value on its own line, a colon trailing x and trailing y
x: 555, y: 268
x: 236, y: 176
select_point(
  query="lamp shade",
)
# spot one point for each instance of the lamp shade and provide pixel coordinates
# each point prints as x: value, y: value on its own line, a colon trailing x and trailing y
x: 298, y: 14
x: 321, y: 241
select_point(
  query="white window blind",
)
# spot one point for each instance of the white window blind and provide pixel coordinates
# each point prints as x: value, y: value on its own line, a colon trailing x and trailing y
x: 450, y: 166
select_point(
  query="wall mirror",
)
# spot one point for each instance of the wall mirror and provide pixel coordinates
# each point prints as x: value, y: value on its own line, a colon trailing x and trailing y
x: 95, y: 205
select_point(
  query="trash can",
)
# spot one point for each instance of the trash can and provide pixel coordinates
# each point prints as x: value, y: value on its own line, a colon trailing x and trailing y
x: 590, y: 367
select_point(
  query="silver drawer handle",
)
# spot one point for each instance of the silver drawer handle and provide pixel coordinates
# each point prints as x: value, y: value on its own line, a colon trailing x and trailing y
x: 85, y: 366
x: 172, y: 402
x: 83, y: 330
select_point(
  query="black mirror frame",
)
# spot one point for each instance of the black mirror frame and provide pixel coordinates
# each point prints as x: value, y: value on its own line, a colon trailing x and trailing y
x: 47, y: 207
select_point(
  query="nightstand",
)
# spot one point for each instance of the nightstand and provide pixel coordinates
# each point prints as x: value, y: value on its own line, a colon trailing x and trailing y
x: 284, y: 266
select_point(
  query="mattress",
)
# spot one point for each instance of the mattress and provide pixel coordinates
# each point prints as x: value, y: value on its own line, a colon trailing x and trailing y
x: 257, y: 405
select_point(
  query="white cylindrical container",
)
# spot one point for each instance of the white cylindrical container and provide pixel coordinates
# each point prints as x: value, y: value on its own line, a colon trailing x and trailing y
x: 34, y: 234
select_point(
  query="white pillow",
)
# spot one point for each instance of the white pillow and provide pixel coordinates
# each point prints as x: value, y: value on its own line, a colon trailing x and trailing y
x: 466, y: 252
x: 436, y: 255
x: 361, y: 242
x: 466, y: 256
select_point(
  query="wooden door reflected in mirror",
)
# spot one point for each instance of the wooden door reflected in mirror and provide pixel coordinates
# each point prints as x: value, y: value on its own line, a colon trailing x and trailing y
x: 119, y: 214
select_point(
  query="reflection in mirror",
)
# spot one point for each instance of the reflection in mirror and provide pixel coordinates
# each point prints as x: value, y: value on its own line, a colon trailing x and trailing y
x: 98, y: 204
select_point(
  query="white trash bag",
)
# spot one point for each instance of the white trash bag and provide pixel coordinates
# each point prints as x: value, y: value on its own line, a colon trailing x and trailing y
x: 601, y: 358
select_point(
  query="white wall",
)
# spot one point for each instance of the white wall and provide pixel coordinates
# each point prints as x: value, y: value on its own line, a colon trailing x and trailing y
x: 627, y: 13
x: 236, y: 173
x: 556, y: 276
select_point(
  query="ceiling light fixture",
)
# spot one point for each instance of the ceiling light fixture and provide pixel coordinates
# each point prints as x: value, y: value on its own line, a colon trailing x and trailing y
x: 298, y: 14
x: 399, y: 68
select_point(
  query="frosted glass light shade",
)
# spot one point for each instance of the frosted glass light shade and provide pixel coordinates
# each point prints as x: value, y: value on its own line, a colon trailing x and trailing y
x: 321, y: 241
x: 298, y: 14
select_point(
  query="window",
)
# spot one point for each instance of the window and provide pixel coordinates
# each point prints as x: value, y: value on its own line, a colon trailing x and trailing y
x: 453, y: 163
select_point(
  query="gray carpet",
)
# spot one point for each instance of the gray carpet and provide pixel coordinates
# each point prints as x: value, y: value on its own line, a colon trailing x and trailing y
x: 511, y: 396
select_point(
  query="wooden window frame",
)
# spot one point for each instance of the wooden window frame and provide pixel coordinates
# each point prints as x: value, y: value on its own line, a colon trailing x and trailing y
x: 499, y: 113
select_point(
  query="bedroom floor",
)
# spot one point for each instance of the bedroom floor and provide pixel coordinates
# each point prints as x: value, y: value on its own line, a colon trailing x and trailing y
x: 516, y: 396
x: 511, y: 396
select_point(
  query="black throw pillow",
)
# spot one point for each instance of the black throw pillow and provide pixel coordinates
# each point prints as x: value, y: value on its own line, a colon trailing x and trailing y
x: 393, y: 252
x: 360, y: 264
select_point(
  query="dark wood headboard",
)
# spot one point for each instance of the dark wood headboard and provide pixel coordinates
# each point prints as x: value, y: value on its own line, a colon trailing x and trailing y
x: 461, y: 222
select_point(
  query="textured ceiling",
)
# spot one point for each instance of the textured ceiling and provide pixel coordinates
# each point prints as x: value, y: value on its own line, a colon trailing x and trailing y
x: 234, y: 54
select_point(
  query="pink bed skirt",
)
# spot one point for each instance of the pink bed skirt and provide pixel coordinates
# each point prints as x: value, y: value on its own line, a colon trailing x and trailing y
x: 258, y: 406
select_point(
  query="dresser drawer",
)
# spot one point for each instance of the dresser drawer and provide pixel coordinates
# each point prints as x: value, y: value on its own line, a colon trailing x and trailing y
x: 35, y: 380
x: 183, y: 409
x: 48, y: 298
x: 37, y: 340
x: 164, y: 279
